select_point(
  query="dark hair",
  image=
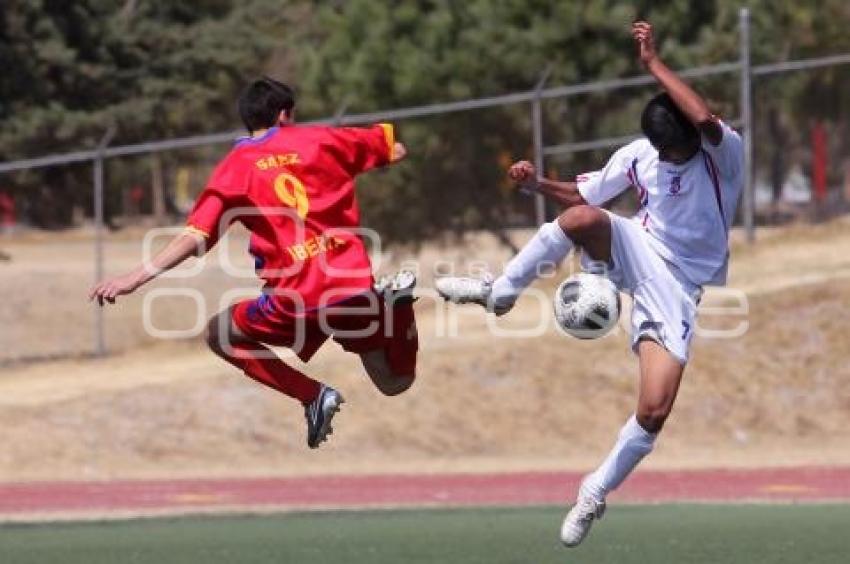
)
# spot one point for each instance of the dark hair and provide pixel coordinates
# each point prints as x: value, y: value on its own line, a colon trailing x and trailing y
x: 666, y: 127
x: 262, y: 101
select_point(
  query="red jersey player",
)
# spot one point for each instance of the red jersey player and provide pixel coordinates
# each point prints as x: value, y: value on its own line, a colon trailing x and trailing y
x: 293, y: 188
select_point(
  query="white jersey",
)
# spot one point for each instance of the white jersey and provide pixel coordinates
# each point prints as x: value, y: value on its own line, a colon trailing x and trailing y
x: 686, y: 208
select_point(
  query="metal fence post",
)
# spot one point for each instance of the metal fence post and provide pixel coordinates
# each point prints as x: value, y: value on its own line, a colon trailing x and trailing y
x: 539, y: 157
x: 339, y: 115
x: 99, y: 336
x: 747, y: 126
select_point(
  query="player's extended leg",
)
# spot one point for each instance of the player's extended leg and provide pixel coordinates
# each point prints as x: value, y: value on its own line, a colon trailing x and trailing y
x: 660, y: 376
x: 260, y: 363
x: 587, y: 226
x: 392, y: 368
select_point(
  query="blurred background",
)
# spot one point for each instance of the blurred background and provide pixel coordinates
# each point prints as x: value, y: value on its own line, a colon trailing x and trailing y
x: 113, y: 113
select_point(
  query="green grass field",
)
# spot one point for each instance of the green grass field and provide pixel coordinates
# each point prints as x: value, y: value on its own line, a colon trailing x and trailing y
x: 658, y: 534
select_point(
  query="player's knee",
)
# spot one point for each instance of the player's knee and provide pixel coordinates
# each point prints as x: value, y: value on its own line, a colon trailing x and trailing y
x: 214, y: 335
x: 395, y: 384
x: 391, y: 379
x: 580, y: 222
x: 652, y: 416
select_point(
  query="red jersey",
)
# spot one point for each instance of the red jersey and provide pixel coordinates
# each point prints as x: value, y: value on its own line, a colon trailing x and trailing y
x: 293, y: 188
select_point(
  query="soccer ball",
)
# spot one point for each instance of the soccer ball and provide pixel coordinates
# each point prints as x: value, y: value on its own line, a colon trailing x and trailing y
x: 587, y: 306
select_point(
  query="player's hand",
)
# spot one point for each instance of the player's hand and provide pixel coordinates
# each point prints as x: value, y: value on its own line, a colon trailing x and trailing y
x: 522, y: 171
x: 108, y: 290
x: 399, y: 152
x: 642, y: 32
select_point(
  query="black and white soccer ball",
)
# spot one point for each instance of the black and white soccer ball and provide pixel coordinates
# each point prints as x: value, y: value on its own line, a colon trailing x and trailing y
x: 587, y: 306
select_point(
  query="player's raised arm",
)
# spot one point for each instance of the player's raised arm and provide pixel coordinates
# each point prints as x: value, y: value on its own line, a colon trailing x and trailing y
x: 361, y: 149
x: 565, y: 193
x: 686, y: 98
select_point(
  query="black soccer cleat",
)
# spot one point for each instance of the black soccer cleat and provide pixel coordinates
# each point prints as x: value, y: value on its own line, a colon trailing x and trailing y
x: 319, y: 414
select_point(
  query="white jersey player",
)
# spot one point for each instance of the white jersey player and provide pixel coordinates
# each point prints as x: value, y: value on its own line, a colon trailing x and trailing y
x: 688, y: 174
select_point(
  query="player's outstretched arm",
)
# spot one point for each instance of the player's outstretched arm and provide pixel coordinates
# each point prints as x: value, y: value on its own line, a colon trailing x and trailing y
x: 179, y: 249
x: 565, y: 193
x: 692, y: 104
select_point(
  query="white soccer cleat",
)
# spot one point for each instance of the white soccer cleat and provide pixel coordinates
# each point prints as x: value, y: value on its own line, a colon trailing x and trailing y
x: 578, y: 521
x: 462, y: 290
x: 400, y: 282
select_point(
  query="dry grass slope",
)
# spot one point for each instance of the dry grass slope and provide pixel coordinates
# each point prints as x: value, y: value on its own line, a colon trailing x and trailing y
x: 778, y: 395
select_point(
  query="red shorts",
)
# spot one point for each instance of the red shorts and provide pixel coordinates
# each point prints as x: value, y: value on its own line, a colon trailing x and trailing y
x: 359, y: 324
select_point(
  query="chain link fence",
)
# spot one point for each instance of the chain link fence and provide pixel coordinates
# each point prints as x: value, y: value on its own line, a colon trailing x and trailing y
x: 799, y: 167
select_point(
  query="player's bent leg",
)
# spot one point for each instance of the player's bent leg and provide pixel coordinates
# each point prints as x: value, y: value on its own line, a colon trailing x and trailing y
x: 387, y: 381
x: 633, y: 443
x: 228, y: 342
x: 260, y: 363
x: 383, y: 332
x: 392, y: 368
x: 589, y: 227
x: 546, y: 249
x: 660, y: 376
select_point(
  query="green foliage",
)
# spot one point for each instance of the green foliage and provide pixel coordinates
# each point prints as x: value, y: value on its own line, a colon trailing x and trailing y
x: 154, y: 69
x: 370, y: 57
x: 163, y: 69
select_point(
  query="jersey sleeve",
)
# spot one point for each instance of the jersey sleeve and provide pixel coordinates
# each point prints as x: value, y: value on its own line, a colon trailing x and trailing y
x: 729, y: 154
x: 600, y: 186
x: 364, y: 148
x: 205, y: 219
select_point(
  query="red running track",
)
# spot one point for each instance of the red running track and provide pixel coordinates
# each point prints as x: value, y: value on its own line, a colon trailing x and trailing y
x: 58, y: 499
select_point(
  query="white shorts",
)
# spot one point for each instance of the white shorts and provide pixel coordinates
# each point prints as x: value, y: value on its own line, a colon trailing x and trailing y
x: 664, y: 304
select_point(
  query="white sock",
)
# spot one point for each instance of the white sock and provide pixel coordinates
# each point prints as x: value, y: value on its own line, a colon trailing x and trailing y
x: 549, y: 246
x: 632, y: 445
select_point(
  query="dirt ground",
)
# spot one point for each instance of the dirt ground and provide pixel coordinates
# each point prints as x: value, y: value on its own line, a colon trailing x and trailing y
x: 778, y: 395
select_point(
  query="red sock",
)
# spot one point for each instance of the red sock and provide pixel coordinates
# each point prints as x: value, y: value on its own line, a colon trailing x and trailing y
x: 261, y: 364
